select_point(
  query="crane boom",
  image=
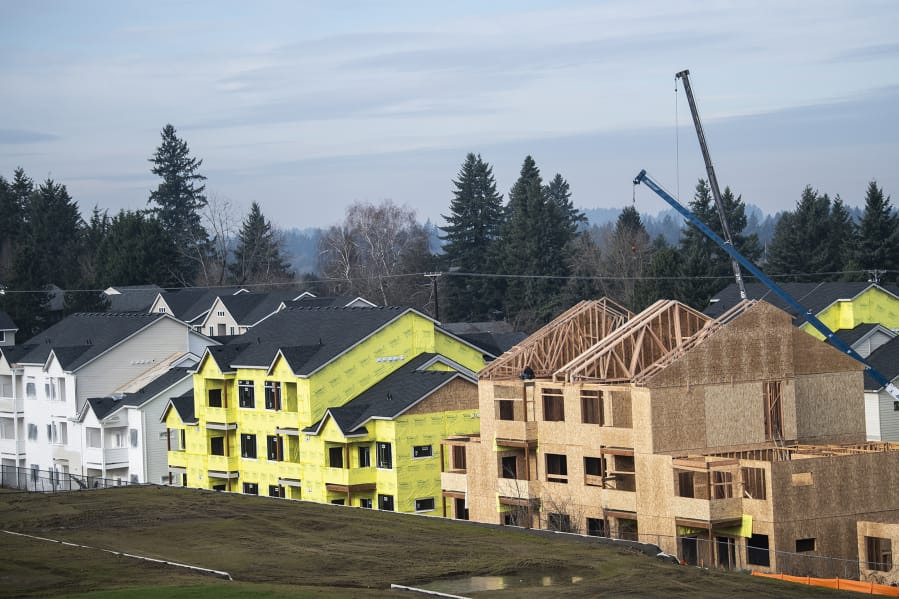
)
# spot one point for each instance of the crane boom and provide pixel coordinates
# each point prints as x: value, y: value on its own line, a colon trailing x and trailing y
x: 810, y: 318
x: 713, y: 180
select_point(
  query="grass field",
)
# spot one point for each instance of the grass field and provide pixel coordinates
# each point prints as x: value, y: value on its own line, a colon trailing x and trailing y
x: 276, y: 548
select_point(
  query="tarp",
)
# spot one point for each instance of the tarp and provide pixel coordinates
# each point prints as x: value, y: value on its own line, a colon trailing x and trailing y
x: 743, y: 530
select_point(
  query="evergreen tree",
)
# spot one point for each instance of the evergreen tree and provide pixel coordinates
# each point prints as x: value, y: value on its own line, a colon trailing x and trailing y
x: 135, y: 250
x: 536, y: 238
x: 802, y: 246
x: 473, y: 227
x: 705, y: 268
x: 626, y: 258
x: 844, y: 241
x: 47, y: 254
x: 660, y: 275
x: 178, y: 200
x: 878, y: 244
x: 13, y: 198
x: 258, y: 256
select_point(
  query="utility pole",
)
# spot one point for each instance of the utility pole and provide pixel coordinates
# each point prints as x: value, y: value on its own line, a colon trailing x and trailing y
x: 434, y: 276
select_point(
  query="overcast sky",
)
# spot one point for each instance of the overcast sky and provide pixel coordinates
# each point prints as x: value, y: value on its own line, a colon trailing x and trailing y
x: 307, y: 107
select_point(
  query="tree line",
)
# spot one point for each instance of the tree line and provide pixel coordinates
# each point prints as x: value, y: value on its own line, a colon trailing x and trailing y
x: 180, y: 239
x: 524, y: 259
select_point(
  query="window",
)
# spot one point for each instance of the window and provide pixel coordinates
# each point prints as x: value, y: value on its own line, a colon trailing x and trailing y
x: 365, y: 456
x: 93, y: 436
x: 754, y: 483
x: 275, y: 491
x: 459, y: 458
x: 385, y: 502
x: 32, y: 434
x: 7, y: 428
x: 365, y: 502
x: 506, y: 409
x: 232, y: 331
x: 248, y: 446
x: 64, y: 433
x: 211, y: 331
x: 628, y: 529
x: 338, y: 502
x: 879, y: 553
x: 217, y: 445
x: 593, y: 471
x: 35, y: 472
x: 771, y: 393
x: 220, y: 313
x: 30, y: 388
x: 757, y: 550
x: 591, y: 406
x: 424, y: 505
x: 274, y: 448
x: 118, y: 439
x: 805, y: 545
x: 422, y: 451
x: 214, y: 487
x: 553, y: 405
x: 556, y: 468
x: 272, y: 395
x: 335, y: 457
x: 134, y: 480
x: 132, y: 433
x: 686, y: 486
x: 245, y: 397
x: 385, y: 456
x: 596, y: 527
x: 509, y: 465
x: 175, y: 439
x: 215, y: 398
x: 722, y: 484
x: 251, y: 488
x: 560, y: 522
x: 162, y: 309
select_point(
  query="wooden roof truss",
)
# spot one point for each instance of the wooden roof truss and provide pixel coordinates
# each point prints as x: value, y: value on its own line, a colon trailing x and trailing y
x: 651, y: 337
x: 562, y: 340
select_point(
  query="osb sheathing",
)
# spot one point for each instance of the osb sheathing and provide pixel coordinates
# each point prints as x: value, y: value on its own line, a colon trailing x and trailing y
x: 844, y: 490
x: 813, y: 356
x: 458, y: 394
x: 655, y: 488
x: 833, y: 405
x: 882, y: 530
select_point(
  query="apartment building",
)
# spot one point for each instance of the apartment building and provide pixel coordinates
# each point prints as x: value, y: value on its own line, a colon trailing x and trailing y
x: 737, y: 441
x: 340, y: 405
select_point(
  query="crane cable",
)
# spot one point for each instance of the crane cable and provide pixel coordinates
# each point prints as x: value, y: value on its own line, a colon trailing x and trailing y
x: 676, y: 140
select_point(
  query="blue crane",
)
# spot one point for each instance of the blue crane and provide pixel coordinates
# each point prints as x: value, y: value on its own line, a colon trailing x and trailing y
x: 810, y: 318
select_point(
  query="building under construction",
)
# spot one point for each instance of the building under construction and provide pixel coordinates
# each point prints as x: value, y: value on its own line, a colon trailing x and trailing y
x: 737, y: 441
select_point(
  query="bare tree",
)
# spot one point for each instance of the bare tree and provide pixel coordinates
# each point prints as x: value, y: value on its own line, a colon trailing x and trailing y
x: 220, y: 222
x: 378, y: 252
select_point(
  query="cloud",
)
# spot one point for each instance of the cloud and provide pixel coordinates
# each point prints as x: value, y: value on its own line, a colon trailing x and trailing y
x: 22, y: 136
x: 864, y: 53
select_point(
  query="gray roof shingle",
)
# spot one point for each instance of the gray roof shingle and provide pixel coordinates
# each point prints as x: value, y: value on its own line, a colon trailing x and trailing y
x: 884, y: 359
x: 79, y: 338
x: 6, y: 323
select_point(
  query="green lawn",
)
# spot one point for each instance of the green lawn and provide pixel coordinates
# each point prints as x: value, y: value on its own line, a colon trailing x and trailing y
x: 277, y: 548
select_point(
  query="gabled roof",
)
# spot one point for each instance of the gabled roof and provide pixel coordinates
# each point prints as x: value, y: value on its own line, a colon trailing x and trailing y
x: 391, y: 396
x: 337, y: 301
x: 184, y: 405
x: 815, y: 297
x: 884, y: 359
x: 104, y: 406
x: 13, y: 353
x: 332, y: 330
x: 862, y: 332
x: 79, y: 338
x: 191, y: 303
x: 6, y: 323
x: 131, y: 298
x: 224, y: 354
x: 565, y: 338
x: 247, y: 309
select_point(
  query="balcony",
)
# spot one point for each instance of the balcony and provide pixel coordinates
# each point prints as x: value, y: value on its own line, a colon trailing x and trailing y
x: 116, y: 456
x: 454, y: 481
x: 8, y: 404
x: 350, y: 478
x: 12, y: 447
x: 222, y: 463
x: 708, y: 510
x: 100, y: 458
x: 222, y: 415
x: 517, y: 488
x: 516, y: 430
x: 177, y: 459
x: 624, y: 501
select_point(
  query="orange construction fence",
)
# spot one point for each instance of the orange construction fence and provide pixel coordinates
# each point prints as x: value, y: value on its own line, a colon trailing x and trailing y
x: 841, y: 584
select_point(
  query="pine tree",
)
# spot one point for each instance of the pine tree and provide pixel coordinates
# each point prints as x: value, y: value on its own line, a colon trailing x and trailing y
x: 258, y: 257
x: 178, y: 200
x: 473, y: 227
x: 47, y: 254
x: 878, y: 244
x: 802, y: 245
x: 135, y: 250
x: 705, y: 268
x: 13, y: 198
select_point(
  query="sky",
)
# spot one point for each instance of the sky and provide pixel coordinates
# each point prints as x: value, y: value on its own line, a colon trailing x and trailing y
x: 308, y: 107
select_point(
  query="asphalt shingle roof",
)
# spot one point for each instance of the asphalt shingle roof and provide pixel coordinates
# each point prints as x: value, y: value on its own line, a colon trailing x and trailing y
x: 133, y: 298
x: 184, y: 405
x: 6, y: 323
x: 322, y: 333
x: 79, y: 338
x: 391, y: 396
x: 102, y: 406
x: 192, y: 302
x: 850, y: 336
x: 813, y: 296
x: 884, y: 359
